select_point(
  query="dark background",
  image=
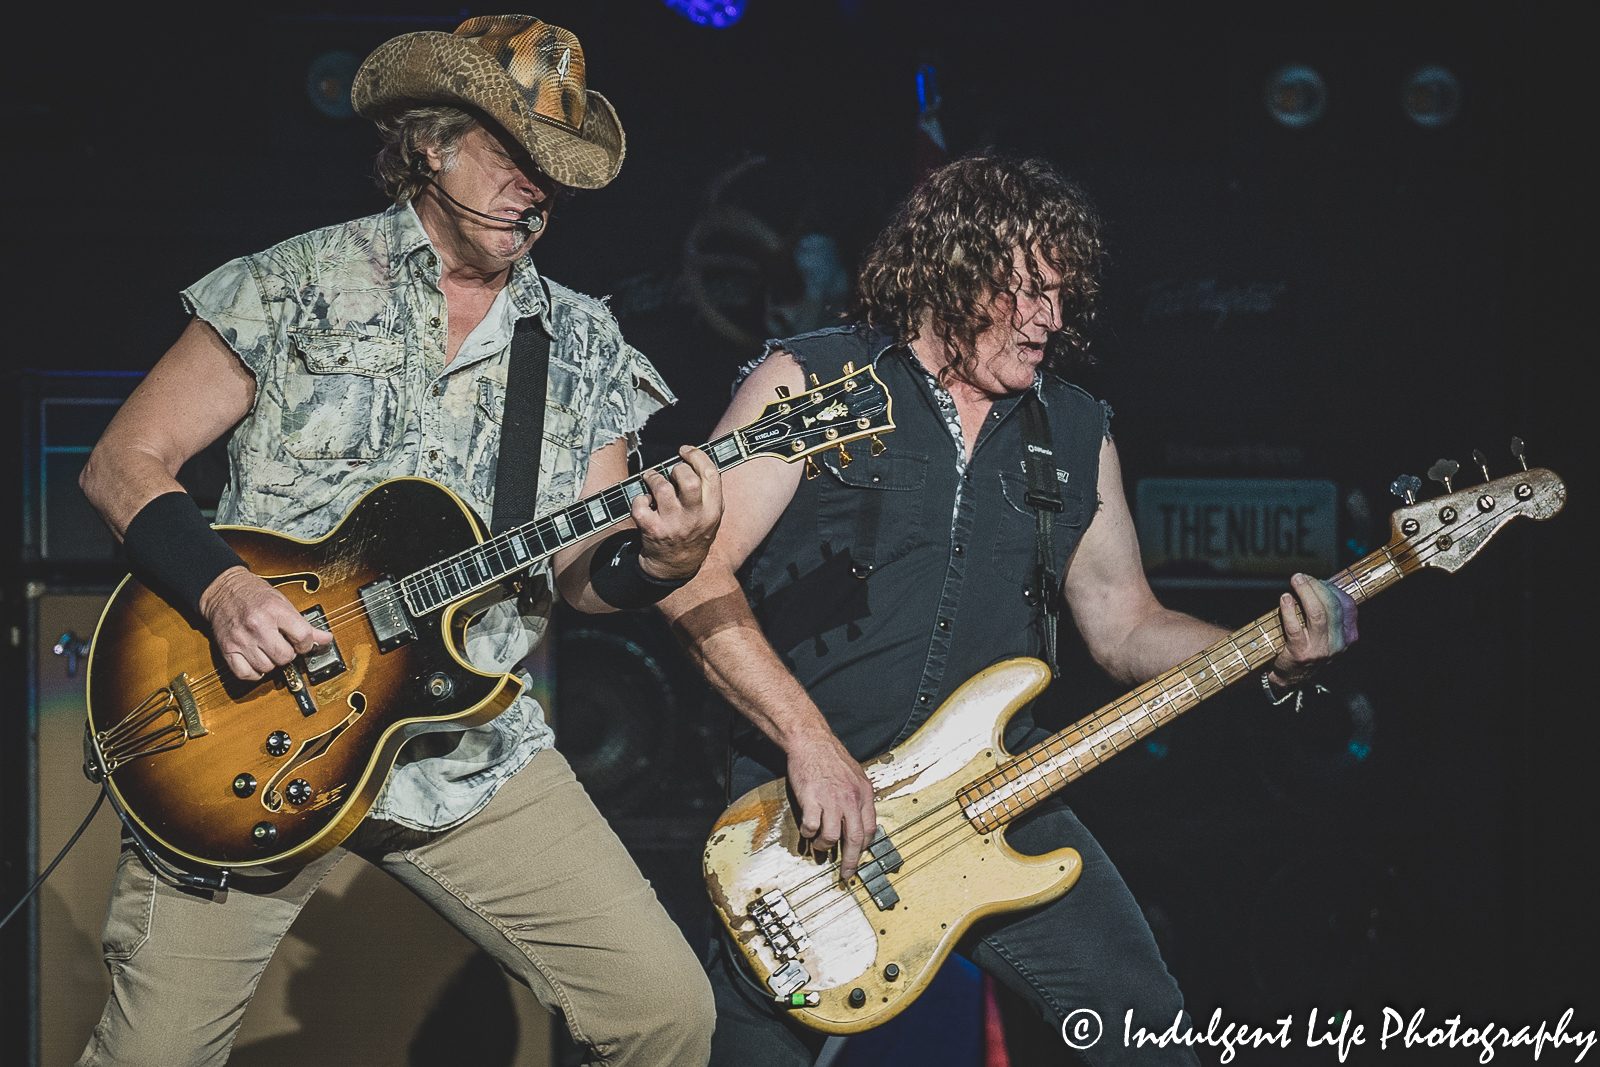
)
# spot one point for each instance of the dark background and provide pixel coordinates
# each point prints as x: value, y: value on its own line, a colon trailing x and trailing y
x: 1427, y: 301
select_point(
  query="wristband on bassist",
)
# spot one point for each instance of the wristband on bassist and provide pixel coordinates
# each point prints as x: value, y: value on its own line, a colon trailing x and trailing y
x: 617, y: 577
x: 174, y: 550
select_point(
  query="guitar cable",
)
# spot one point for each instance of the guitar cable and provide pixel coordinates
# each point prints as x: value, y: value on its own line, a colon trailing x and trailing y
x: 210, y: 883
x: 39, y: 881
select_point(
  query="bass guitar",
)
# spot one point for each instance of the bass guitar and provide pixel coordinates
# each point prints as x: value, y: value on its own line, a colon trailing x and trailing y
x: 270, y: 774
x: 847, y: 956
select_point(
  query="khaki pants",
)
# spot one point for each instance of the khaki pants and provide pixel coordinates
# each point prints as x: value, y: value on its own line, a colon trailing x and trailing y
x: 537, y: 879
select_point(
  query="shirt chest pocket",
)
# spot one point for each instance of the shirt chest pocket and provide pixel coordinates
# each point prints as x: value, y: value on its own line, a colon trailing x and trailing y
x: 1016, y: 551
x: 873, y: 507
x: 342, y: 394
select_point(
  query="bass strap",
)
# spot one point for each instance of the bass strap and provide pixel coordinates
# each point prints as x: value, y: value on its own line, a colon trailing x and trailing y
x: 516, y: 470
x: 1044, y: 497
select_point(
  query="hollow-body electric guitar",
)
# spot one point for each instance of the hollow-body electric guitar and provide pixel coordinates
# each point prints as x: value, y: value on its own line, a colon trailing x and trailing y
x: 845, y: 957
x: 270, y: 774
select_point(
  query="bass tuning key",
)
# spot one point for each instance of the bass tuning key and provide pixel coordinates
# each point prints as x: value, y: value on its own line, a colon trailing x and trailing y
x: 1443, y: 471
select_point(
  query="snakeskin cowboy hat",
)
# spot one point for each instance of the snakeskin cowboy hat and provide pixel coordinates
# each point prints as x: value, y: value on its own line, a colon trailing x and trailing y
x: 526, y: 75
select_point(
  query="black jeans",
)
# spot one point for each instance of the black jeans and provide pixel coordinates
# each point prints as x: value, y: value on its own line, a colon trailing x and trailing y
x: 1089, y: 949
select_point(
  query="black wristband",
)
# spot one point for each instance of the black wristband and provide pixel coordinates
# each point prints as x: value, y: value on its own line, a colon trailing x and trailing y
x: 616, y: 576
x: 175, y: 552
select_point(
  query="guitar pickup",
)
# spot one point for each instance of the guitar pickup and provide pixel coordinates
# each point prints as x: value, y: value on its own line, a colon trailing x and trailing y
x: 386, y: 613
x: 874, y: 873
x: 326, y: 663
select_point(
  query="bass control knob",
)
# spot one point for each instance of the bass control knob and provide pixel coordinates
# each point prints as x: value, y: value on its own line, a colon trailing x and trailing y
x: 244, y: 785
x: 278, y: 743
x: 298, y: 791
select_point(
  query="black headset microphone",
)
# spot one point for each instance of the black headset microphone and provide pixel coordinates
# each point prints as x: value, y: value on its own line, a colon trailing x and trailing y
x: 530, y: 218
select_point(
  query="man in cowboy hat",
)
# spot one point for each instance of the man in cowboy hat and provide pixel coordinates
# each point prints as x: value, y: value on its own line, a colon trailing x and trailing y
x: 378, y: 349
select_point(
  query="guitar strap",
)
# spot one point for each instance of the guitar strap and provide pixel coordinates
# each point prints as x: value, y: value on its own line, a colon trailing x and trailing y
x: 1044, y: 497
x: 516, y: 471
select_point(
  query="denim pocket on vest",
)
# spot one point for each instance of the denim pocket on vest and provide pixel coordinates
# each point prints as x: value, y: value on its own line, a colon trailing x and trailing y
x: 873, y: 507
x: 340, y: 396
x: 1016, y: 553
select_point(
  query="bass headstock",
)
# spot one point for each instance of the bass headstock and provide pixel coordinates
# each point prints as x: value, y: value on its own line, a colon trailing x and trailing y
x: 797, y: 426
x: 1449, y: 530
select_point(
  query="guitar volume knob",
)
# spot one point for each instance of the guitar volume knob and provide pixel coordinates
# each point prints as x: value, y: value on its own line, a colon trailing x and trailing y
x: 298, y: 791
x: 263, y: 834
x: 278, y: 743
x: 244, y: 785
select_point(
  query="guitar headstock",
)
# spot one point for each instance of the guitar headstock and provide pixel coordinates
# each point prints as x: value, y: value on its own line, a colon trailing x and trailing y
x: 847, y: 409
x: 1449, y: 530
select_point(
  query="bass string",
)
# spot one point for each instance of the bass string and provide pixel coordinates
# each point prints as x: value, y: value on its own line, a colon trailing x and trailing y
x: 1107, y: 720
x: 918, y: 860
x: 828, y: 872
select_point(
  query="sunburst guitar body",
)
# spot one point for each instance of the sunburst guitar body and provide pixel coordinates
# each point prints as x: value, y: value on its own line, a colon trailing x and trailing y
x: 268, y: 775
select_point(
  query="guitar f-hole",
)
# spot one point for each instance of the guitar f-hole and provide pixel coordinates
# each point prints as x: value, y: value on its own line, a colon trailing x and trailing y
x: 310, y: 749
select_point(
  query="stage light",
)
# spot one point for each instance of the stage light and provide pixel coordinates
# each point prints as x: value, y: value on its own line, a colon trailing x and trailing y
x: 1296, y: 96
x: 1431, y: 97
x: 328, y: 82
x: 718, y: 13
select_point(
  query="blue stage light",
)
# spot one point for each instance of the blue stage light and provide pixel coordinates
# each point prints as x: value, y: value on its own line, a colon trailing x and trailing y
x: 718, y: 13
x: 1296, y: 96
x: 1431, y: 97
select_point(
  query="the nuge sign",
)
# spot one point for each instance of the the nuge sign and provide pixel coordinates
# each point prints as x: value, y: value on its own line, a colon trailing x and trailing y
x: 1235, y: 528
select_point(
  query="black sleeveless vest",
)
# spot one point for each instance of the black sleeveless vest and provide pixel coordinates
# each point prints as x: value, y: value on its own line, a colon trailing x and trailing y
x: 882, y: 594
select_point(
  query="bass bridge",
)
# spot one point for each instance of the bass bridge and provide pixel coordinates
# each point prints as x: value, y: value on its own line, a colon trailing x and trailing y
x: 784, y: 934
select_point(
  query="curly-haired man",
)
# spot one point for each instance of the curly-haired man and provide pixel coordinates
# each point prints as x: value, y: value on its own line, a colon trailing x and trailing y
x: 872, y: 591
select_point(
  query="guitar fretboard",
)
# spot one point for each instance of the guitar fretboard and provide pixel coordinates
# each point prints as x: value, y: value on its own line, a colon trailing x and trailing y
x: 1025, y: 780
x: 521, y: 547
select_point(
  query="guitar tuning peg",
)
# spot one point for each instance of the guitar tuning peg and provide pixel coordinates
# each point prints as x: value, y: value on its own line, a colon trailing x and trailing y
x: 1443, y: 471
x: 844, y: 457
x: 850, y: 368
x: 812, y: 470
x: 1405, y: 487
x: 783, y: 392
x: 814, y: 380
x: 1482, y: 461
x: 1518, y: 451
x: 878, y: 447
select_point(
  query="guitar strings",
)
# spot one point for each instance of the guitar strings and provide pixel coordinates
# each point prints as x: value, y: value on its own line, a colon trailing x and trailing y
x: 958, y: 822
x: 1069, y: 742
x: 1066, y: 743
x: 356, y: 610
